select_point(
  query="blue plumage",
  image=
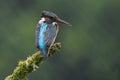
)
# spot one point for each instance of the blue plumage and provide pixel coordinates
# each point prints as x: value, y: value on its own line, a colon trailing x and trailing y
x: 46, y: 31
x: 42, y: 44
x: 46, y: 34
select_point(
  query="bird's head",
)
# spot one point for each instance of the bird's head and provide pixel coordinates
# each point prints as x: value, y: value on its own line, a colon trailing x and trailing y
x: 52, y: 16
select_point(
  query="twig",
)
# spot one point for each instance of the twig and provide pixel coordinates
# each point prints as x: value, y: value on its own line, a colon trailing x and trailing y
x: 31, y: 64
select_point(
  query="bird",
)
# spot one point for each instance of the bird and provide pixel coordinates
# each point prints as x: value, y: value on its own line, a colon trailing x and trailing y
x: 47, y: 30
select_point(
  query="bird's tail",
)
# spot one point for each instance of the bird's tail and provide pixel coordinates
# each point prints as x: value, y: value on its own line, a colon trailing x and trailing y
x: 44, y: 52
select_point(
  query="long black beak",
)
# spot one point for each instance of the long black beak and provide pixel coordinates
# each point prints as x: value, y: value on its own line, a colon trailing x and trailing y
x: 63, y: 22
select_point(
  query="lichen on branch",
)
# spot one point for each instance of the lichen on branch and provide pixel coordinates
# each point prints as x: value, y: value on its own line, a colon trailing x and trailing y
x: 31, y: 64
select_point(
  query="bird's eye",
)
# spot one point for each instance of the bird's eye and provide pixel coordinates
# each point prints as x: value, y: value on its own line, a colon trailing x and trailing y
x: 51, y: 17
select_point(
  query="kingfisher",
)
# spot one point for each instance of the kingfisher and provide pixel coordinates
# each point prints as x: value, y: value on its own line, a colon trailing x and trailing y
x: 47, y: 30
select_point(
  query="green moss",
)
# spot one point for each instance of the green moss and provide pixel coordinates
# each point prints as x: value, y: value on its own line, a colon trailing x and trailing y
x: 31, y: 64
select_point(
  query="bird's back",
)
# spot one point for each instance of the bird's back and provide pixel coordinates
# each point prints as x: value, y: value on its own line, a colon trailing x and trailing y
x: 45, y: 35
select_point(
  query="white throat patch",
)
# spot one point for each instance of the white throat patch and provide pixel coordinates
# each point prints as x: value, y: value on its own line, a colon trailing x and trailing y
x: 42, y: 19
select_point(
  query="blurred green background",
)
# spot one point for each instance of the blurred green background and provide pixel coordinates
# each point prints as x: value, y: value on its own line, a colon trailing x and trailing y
x: 90, y: 48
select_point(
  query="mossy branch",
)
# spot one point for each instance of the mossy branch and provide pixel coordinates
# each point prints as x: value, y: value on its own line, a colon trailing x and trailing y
x: 30, y: 64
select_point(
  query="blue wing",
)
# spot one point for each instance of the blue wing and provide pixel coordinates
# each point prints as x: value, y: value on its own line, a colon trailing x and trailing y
x: 46, y: 38
x: 37, y: 36
x: 50, y: 35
